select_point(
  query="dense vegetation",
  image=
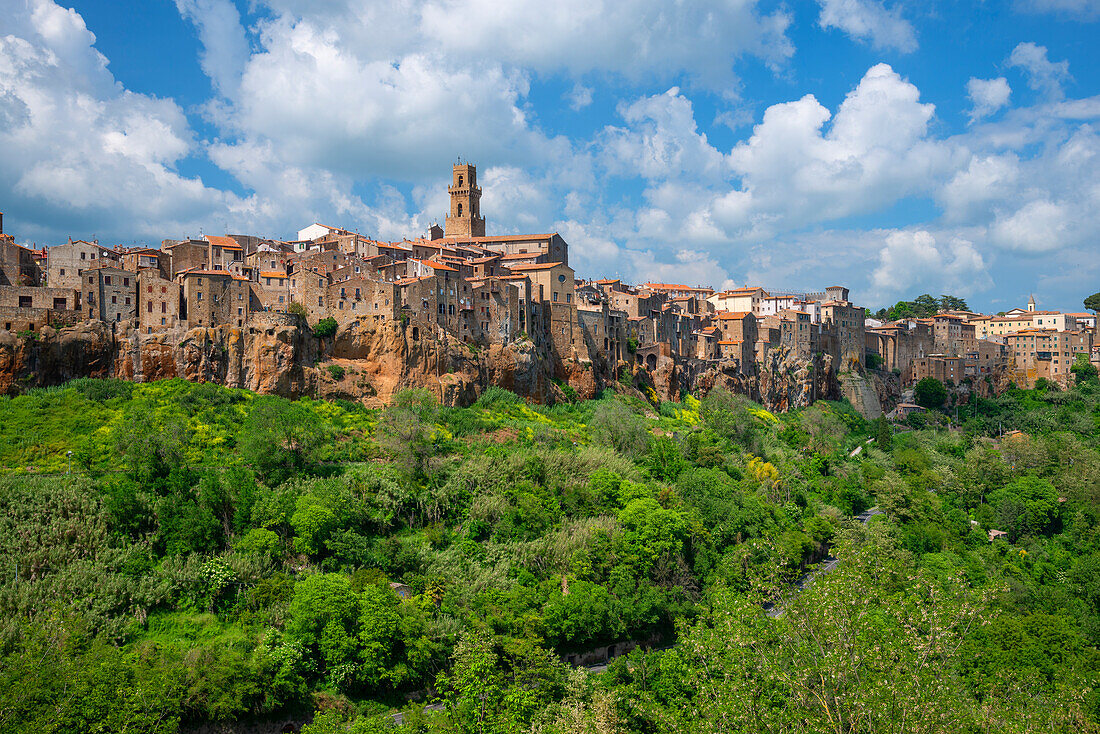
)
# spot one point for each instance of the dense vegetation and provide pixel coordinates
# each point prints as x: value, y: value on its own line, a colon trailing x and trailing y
x: 922, y: 307
x: 217, y: 555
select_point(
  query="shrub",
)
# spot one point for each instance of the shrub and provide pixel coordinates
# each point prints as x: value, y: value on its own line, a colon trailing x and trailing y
x: 336, y: 371
x: 497, y: 397
x: 297, y: 309
x: 930, y: 393
x: 325, y: 327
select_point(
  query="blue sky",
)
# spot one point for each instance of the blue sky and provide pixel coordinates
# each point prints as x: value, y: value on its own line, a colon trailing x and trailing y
x: 898, y: 148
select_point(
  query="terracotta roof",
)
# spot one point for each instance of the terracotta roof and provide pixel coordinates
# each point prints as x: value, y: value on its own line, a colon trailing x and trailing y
x: 606, y: 281
x: 533, y: 266
x: 731, y: 341
x: 195, y: 271
x: 434, y: 265
x: 223, y: 241
x: 273, y: 275
x: 499, y: 238
x: 732, y: 315
x: 674, y: 286
x: 521, y: 256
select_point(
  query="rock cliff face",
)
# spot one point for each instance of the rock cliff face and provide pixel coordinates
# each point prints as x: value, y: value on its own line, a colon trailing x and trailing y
x: 370, y: 362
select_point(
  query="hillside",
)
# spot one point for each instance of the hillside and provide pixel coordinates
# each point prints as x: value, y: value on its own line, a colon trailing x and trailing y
x: 221, y: 560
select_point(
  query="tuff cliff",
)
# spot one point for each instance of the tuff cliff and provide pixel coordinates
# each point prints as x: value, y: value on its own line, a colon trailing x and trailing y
x: 370, y: 362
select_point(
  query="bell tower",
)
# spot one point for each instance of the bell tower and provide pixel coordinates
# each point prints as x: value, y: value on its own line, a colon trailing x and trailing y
x: 465, y: 217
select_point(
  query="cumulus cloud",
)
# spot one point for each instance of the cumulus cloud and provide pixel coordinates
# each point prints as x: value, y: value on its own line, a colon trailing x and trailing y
x: 82, y: 152
x: 913, y: 260
x: 987, y: 96
x: 876, y: 151
x: 869, y: 20
x: 661, y: 140
x: 1042, y: 74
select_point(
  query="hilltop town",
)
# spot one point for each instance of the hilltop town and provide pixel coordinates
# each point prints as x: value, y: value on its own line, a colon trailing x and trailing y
x: 457, y: 285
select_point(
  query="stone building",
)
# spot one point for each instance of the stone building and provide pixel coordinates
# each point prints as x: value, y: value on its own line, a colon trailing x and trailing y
x: 65, y: 264
x: 144, y: 258
x: 363, y: 298
x: 187, y: 255
x: 109, y: 294
x: 1041, y: 353
x: 19, y: 265
x: 215, y: 297
x: 465, y: 216
x: 158, y: 302
x: 845, y: 325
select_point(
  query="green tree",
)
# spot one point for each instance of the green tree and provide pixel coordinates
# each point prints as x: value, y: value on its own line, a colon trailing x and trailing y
x: 325, y: 327
x: 324, y: 615
x: 474, y: 690
x: 930, y: 393
x: 1092, y: 303
x: 280, y: 438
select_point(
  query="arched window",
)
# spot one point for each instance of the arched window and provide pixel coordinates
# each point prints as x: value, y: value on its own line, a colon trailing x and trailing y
x: 460, y: 209
x: 460, y: 180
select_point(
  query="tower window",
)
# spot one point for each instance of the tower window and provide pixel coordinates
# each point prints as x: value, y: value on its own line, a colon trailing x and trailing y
x: 460, y: 209
x: 460, y: 179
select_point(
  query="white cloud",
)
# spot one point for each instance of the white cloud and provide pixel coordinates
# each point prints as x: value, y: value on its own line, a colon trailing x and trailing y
x: 987, y: 96
x: 637, y: 39
x: 876, y: 151
x: 1042, y: 74
x: 969, y: 194
x: 869, y: 20
x: 1079, y: 9
x: 225, y: 48
x: 82, y: 151
x: 913, y: 260
x: 661, y: 140
x: 579, y: 96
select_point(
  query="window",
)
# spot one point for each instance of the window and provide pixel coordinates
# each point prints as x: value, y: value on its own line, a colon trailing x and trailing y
x: 127, y: 300
x: 107, y: 279
x: 149, y: 306
x: 125, y: 281
x: 83, y: 256
x: 460, y: 179
x: 62, y: 271
x: 199, y: 298
x: 280, y: 299
x: 114, y: 299
x: 163, y: 307
x: 320, y: 301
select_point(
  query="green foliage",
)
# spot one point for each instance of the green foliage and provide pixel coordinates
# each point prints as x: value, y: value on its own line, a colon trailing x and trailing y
x: 325, y: 327
x: 336, y: 372
x: 922, y: 307
x: 1092, y: 303
x: 930, y: 393
x: 280, y: 438
x: 223, y: 557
